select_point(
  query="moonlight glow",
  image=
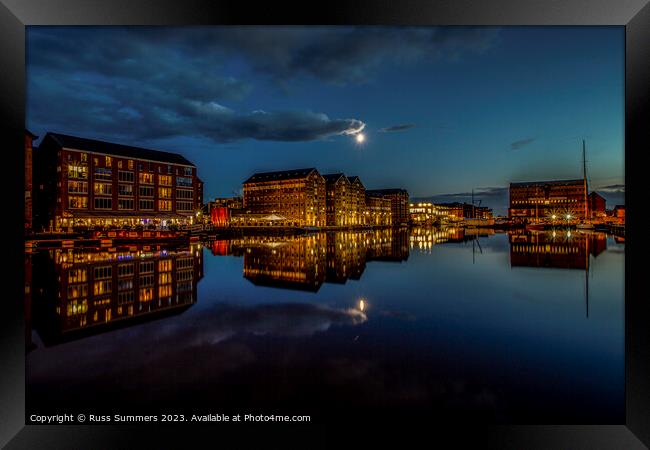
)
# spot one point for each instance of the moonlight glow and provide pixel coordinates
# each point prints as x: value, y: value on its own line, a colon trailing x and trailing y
x: 360, y: 138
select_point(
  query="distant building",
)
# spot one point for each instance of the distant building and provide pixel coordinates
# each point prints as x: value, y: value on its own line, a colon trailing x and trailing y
x: 338, y: 205
x: 597, y: 205
x: 29, y: 188
x: 450, y: 212
x: 422, y: 213
x: 296, y: 197
x: 356, y: 201
x: 555, y: 200
x: 227, y: 202
x: 619, y: 213
x: 220, y: 210
x: 456, y: 211
x: 378, y: 210
x: 399, y: 203
x: 86, y: 182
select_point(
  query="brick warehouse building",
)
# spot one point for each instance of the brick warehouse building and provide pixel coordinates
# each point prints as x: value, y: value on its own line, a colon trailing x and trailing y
x: 357, y: 201
x: 29, y: 186
x: 378, y: 210
x: 399, y: 200
x: 297, y: 196
x: 338, y: 210
x: 87, y: 182
x: 544, y: 199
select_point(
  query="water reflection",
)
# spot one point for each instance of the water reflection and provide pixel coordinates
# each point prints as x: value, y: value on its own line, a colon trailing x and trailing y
x: 424, y: 330
x: 306, y: 262
x: 561, y: 249
x: 77, y: 292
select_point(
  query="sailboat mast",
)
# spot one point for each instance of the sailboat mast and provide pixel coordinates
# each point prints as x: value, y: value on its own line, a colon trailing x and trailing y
x: 584, y: 173
x: 473, y: 208
x: 587, y: 275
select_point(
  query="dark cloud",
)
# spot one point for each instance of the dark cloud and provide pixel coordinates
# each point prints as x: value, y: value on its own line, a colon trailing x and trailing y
x: 147, y: 83
x: 134, y: 111
x: 612, y: 188
x: 521, y: 143
x: 397, y: 128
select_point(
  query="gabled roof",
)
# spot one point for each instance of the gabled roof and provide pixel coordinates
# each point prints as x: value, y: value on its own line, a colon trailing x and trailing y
x: 109, y: 148
x: 354, y: 178
x: 334, y: 177
x: 29, y: 133
x: 280, y: 175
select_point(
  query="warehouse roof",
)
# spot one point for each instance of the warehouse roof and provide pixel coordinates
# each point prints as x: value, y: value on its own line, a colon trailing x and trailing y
x: 109, y: 148
x: 280, y: 175
x: 543, y: 183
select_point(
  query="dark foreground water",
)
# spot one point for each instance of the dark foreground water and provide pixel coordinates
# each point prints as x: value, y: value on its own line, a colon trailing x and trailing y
x: 508, y: 328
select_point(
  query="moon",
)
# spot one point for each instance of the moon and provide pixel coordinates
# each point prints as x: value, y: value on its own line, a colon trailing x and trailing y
x: 360, y: 138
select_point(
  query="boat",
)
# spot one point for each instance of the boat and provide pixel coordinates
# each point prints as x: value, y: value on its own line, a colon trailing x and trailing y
x: 535, y: 227
x: 584, y: 224
x: 479, y: 222
x: 476, y: 222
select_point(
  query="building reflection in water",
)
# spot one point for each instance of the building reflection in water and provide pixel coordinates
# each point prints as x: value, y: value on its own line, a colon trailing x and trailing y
x: 555, y: 249
x: 563, y: 249
x: 424, y: 238
x: 306, y: 262
x: 77, y: 292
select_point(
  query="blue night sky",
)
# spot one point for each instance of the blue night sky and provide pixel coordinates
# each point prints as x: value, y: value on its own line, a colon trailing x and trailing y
x: 444, y: 109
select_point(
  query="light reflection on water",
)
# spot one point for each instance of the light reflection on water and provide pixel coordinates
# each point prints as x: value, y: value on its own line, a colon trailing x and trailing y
x: 506, y: 327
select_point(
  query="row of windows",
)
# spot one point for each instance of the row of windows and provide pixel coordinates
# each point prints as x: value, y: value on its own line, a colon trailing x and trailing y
x: 102, y: 287
x: 125, y: 190
x: 184, y: 194
x: 77, y: 275
x: 125, y: 284
x: 102, y: 173
x: 125, y: 297
x: 77, y: 187
x: 79, y: 202
x: 184, y: 275
x: 145, y: 178
x: 126, y: 177
x: 125, y: 270
x: 80, y: 172
x: 184, y: 206
x: 108, y: 162
x: 164, y: 277
x: 146, y: 280
x: 78, y: 290
x: 184, y: 181
x: 103, y: 189
x: 102, y: 272
x: 184, y: 263
x: 165, y: 291
x: 540, y: 201
x: 103, y: 203
x: 125, y: 203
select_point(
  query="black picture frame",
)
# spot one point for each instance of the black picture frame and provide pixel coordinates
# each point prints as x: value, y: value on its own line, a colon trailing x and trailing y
x: 633, y: 14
